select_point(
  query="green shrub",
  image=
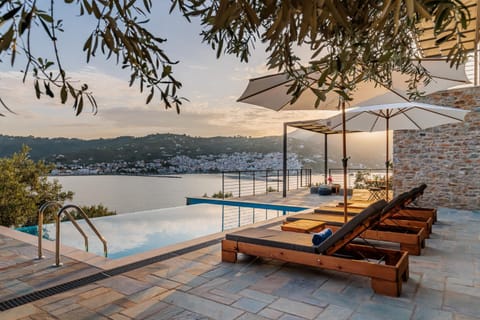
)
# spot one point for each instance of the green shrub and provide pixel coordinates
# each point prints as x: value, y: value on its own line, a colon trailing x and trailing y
x: 94, y: 211
x: 222, y: 195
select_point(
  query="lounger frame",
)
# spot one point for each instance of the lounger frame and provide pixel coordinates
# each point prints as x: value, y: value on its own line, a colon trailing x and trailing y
x: 387, y: 268
x: 386, y: 278
x: 421, y: 212
x: 410, y: 239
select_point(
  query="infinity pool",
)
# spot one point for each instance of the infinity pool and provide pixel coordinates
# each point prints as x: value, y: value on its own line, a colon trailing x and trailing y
x: 132, y: 233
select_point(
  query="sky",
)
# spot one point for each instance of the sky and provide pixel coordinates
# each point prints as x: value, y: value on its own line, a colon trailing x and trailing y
x: 211, y: 85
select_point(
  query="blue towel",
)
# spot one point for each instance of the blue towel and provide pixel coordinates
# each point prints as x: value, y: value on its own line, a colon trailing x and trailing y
x: 321, y: 236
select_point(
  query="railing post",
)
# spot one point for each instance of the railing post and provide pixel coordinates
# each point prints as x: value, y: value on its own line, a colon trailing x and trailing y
x: 297, y: 178
x: 301, y: 177
x: 223, y: 184
x: 223, y: 217
x: 266, y: 181
x: 254, y: 183
x: 239, y: 216
x: 278, y: 180
x: 239, y: 183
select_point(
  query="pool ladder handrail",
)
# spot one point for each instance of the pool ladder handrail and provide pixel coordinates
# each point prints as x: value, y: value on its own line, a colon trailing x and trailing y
x: 57, y: 228
x: 87, y: 220
x: 41, y: 211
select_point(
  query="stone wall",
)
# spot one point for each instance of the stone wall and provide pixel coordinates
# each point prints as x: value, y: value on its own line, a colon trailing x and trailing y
x: 446, y: 158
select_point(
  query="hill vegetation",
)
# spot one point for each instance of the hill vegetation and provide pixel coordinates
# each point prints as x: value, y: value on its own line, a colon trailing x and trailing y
x: 309, y: 148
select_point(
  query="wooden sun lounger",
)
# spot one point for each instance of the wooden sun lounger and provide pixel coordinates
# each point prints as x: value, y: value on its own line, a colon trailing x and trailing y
x: 409, y: 211
x: 386, y: 267
x: 400, y: 218
x: 417, y: 212
x: 420, y: 211
x: 395, y: 220
x: 411, y: 239
x: 415, y: 217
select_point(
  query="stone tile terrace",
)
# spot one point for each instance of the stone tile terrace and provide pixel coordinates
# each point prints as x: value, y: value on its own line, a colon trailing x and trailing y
x: 444, y: 283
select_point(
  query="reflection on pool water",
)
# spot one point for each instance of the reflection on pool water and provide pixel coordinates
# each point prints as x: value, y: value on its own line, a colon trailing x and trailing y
x: 137, y: 232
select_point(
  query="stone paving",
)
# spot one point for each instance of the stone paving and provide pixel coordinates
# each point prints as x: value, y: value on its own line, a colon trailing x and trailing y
x: 444, y: 284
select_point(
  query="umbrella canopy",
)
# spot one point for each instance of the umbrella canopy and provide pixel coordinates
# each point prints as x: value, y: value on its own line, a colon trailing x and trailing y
x: 395, y: 116
x: 272, y: 92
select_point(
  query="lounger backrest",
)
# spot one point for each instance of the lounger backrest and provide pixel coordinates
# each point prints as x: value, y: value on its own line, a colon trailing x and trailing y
x: 396, y: 204
x: 422, y: 188
x: 353, y: 228
x: 418, y: 191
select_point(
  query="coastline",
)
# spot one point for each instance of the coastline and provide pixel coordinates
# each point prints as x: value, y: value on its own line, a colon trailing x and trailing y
x: 116, y: 175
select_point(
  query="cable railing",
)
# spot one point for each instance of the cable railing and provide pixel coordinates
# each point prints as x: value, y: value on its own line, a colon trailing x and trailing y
x: 366, y: 173
x: 234, y: 217
x: 256, y: 182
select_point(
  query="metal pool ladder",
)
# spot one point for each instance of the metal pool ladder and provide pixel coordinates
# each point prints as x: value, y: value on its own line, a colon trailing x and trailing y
x: 62, y: 210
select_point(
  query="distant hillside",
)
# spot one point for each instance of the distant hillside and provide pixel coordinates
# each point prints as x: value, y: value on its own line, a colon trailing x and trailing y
x: 164, y: 146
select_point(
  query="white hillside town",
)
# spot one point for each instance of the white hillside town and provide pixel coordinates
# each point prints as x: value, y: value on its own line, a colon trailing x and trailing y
x: 183, y: 164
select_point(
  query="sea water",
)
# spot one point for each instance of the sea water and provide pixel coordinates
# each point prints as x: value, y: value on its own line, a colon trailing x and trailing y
x: 137, y: 193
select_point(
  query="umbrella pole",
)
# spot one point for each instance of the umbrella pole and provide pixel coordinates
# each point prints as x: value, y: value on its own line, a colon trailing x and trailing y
x: 387, y: 163
x: 325, y: 155
x: 344, y: 161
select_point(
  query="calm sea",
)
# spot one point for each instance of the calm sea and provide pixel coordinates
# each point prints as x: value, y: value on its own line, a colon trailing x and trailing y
x: 131, y: 193
x: 137, y: 193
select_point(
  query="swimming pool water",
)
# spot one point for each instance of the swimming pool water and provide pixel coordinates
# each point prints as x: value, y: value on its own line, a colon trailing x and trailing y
x: 137, y: 232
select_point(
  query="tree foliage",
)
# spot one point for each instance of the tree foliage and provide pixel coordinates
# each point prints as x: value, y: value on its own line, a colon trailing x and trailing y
x: 350, y: 41
x: 24, y: 187
x: 118, y: 32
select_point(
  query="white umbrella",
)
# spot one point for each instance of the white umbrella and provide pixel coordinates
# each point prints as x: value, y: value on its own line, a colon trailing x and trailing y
x: 395, y: 116
x: 272, y: 92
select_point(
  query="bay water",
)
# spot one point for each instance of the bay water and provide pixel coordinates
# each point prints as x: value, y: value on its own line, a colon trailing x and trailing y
x: 125, y: 194
x: 137, y: 193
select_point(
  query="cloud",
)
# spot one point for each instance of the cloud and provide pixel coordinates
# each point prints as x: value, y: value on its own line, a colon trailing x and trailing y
x: 247, y: 72
x: 122, y: 110
x: 197, y: 67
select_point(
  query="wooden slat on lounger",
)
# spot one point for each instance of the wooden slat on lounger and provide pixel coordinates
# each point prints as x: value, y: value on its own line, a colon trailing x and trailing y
x: 385, y: 231
x: 335, y: 214
x: 386, y: 268
x: 303, y: 242
x: 389, y: 216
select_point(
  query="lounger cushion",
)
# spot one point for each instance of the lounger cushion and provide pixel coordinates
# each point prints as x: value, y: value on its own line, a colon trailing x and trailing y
x: 372, y: 212
x: 303, y: 242
x: 274, y: 238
